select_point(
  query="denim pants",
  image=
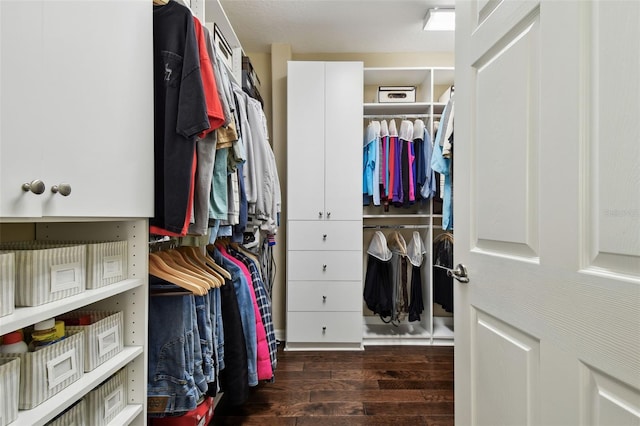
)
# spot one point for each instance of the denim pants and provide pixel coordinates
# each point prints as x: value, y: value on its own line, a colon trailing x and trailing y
x: 174, y: 382
x: 205, y: 331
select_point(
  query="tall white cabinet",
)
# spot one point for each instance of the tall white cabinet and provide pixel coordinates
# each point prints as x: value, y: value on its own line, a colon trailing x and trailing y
x: 324, y: 205
x: 76, y: 151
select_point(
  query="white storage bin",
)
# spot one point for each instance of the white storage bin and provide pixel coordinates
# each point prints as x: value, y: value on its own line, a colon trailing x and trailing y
x: 108, y: 399
x: 7, y: 283
x: 76, y: 415
x: 103, y: 338
x: 106, y: 263
x: 45, y: 273
x: 396, y: 94
x: 9, y: 386
x: 46, y: 372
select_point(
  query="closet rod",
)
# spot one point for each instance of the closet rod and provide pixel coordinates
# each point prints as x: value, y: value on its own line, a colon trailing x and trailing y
x: 396, y: 226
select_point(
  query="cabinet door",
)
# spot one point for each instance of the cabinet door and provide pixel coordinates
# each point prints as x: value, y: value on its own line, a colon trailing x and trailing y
x: 305, y: 140
x: 343, y: 140
x: 97, y: 108
x: 21, y: 107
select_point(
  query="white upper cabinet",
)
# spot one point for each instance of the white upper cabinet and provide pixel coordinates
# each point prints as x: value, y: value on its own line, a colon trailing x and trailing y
x: 324, y: 140
x: 76, y: 112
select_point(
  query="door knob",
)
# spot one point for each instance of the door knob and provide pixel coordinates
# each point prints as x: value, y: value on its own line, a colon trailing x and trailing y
x: 35, y: 186
x: 459, y: 273
x: 63, y: 189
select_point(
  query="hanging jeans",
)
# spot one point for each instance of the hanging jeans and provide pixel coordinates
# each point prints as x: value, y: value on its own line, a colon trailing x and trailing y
x: 173, y: 381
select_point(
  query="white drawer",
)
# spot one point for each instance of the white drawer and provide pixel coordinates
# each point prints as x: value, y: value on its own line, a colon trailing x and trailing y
x: 324, y: 235
x: 324, y: 266
x: 322, y: 296
x: 324, y: 327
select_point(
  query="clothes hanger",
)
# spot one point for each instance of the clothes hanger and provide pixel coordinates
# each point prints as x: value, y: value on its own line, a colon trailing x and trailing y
x: 193, y: 254
x: 160, y: 2
x: 203, y: 269
x: 444, y: 236
x: 160, y: 269
x: 182, y: 260
x: 171, y: 260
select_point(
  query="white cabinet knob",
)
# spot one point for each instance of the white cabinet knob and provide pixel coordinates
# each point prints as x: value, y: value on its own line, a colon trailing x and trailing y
x: 35, y: 186
x: 63, y: 189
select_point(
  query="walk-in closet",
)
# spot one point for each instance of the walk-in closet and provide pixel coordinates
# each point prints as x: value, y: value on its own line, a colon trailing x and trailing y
x: 312, y: 212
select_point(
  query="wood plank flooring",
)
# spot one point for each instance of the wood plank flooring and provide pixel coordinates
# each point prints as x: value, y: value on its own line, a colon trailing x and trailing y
x: 382, y: 385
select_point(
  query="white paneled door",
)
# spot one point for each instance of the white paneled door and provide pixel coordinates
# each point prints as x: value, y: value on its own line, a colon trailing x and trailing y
x: 547, y: 212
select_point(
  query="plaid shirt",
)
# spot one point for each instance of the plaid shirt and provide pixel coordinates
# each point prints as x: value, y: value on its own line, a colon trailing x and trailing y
x: 264, y: 302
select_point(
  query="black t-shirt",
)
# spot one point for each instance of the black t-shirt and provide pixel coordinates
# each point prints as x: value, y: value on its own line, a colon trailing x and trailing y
x: 180, y: 114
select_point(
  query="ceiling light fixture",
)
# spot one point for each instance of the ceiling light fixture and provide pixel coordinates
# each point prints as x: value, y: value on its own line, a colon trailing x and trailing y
x: 440, y: 19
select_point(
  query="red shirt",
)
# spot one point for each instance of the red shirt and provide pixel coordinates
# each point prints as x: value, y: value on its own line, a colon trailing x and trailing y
x: 214, y: 107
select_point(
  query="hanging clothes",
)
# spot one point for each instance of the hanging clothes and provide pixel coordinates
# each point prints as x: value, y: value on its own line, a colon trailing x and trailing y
x: 378, y: 287
x: 263, y: 300
x: 442, y: 282
x: 180, y: 114
x: 442, y: 165
x: 263, y: 360
x: 371, y: 165
x: 415, y: 253
x: 399, y: 264
x: 407, y: 163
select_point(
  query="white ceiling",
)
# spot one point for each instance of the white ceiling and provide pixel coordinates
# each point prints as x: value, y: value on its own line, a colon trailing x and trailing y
x: 333, y: 26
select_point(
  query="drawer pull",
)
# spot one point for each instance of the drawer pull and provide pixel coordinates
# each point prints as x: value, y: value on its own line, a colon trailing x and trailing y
x: 328, y: 215
x: 324, y: 299
x: 319, y: 214
x: 324, y: 329
x: 324, y: 267
x: 324, y: 237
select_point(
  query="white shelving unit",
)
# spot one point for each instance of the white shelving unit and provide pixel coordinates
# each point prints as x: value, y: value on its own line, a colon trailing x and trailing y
x: 69, y: 65
x: 430, y: 83
x: 128, y: 296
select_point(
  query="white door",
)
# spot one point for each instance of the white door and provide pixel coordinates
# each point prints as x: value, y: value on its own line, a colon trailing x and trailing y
x: 21, y: 89
x: 97, y: 119
x: 305, y: 146
x: 547, y: 212
x: 344, y: 82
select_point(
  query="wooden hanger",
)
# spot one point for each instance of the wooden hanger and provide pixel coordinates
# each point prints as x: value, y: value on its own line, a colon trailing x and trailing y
x: 183, y: 261
x: 172, y: 260
x: 205, y: 270
x: 160, y: 2
x: 194, y: 255
x: 160, y: 269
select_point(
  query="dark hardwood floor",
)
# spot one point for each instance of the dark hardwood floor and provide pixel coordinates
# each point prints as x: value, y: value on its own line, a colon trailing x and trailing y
x: 382, y: 385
